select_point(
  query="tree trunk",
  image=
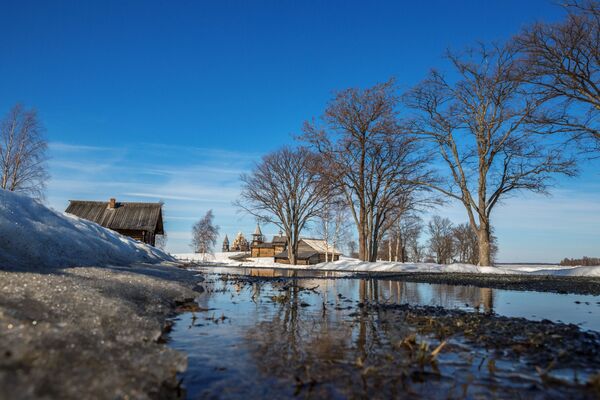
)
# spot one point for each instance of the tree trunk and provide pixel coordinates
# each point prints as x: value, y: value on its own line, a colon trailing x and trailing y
x: 483, y: 239
x: 374, y: 250
x: 362, y: 245
x: 292, y: 248
x: 292, y: 255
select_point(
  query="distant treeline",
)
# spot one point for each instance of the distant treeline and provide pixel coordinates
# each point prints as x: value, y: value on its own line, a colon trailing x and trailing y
x: 585, y: 261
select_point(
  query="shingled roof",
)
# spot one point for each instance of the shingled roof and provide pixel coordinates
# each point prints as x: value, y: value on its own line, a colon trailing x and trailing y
x: 309, y: 247
x: 124, y: 215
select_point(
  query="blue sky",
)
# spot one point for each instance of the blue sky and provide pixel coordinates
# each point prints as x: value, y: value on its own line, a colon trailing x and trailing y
x: 173, y: 100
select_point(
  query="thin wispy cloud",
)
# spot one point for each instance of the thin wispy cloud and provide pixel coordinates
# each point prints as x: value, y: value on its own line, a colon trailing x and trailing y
x: 78, y: 148
x: 189, y: 180
x: 193, y: 180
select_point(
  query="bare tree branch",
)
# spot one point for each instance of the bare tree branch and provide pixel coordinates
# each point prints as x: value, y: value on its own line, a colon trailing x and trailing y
x: 286, y: 189
x: 369, y: 157
x: 22, y: 152
x: 563, y: 62
x: 486, y: 129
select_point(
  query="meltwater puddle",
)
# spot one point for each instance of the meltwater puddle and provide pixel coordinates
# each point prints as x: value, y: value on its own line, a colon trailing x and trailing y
x: 300, y: 333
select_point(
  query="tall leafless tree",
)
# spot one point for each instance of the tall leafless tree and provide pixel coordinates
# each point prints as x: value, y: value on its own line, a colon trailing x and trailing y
x: 563, y: 61
x: 351, y: 246
x: 204, y: 234
x: 22, y: 152
x: 466, y: 246
x: 416, y: 251
x: 483, y: 126
x: 370, y: 157
x: 332, y: 225
x: 440, y: 239
x: 401, y: 237
x: 286, y: 189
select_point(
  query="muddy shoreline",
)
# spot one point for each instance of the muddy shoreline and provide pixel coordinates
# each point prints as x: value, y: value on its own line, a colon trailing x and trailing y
x: 535, y: 283
x: 92, y: 332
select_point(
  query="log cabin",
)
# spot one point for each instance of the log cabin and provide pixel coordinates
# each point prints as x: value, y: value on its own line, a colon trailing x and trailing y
x: 139, y: 221
x: 260, y: 248
x: 310, y: 252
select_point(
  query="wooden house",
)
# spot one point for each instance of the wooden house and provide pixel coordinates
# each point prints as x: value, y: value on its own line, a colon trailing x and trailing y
x: 140, y: 221
x: 310, y: 252
x: 260, y: 248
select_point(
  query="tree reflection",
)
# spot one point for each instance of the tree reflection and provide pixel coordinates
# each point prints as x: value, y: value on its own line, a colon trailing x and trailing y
x: 352, y: 354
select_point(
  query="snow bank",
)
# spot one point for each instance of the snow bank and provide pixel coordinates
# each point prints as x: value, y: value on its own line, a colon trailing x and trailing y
x: 208, y: 257
x: 34, y: 236
x: 228, y: 259
x: 384, y: 266
x: 352, y: 265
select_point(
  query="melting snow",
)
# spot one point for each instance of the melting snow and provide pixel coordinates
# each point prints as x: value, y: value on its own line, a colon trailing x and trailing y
x: 34, y: 236
x: 352, y: 265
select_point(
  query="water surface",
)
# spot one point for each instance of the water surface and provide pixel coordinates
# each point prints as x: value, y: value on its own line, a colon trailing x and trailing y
x: 302, y: 334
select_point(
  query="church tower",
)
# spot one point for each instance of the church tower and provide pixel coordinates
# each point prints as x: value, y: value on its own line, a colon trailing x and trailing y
x: 225, y: 245
x: 257, y: 236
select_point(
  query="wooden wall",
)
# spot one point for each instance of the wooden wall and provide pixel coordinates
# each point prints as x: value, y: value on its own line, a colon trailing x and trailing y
x: 142, y: 236
x: 263, y: 252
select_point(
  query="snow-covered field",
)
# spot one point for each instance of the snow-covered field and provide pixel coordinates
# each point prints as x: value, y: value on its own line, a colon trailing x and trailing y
x: 352, y: 265
x: 34, y: 236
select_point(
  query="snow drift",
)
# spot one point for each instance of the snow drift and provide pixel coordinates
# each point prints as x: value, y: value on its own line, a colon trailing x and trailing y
x: 346, y: 264
x: 34, y: 236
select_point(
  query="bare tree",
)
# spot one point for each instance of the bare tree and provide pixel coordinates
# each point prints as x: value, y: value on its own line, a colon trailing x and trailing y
x: 285, y: 189
x: 401, y: 236
x: 483, y: 128
x: 204, y: 234
x: 563, y: 61
x: 416, y: 250
x: 371, y: 159
x: 351, y: 245
x: 22, y: 152
x: 440, y: 239
x: 332, y: 225
x: 466, y: 246
x: 161, y: 241
x: 585, y: 261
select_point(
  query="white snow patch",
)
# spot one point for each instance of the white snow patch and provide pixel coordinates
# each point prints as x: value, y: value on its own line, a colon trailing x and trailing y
x: 34, y: 236
x: 346, y: 264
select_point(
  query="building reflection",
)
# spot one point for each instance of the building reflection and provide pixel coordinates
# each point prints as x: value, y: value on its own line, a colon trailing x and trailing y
x: 379, y: 290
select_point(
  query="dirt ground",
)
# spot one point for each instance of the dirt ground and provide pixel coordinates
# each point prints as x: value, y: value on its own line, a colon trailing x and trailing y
x: 538, y: 283
x: 91, y: 332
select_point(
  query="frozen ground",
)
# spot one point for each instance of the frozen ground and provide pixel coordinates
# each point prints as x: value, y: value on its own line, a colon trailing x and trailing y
x: 90, y: 333
x: 353, y: 265
x: 34, y: 236
x: 72, y: 330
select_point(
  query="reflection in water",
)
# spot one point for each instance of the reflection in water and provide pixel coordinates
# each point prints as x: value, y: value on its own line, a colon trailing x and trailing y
x: 581, y: 310
x: 312, y: 337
